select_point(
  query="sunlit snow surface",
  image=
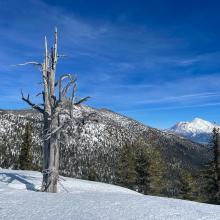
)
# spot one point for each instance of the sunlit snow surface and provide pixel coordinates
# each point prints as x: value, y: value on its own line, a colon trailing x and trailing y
x: 197, y: 130
x: 89, y: 200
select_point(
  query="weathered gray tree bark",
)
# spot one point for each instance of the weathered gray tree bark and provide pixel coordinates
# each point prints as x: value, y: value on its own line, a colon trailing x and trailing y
x: 53, y: 109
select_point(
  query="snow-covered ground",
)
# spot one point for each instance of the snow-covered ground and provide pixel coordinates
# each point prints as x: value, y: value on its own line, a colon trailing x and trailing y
x: 80, y: 200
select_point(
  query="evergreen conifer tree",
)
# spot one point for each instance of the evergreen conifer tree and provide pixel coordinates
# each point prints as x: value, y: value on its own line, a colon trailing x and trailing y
x: 25, y: 158
x: 188, y: 187
x: 211, y: 175
x: 157, y: 171
x: 126, y: 174
x: 142, y: 170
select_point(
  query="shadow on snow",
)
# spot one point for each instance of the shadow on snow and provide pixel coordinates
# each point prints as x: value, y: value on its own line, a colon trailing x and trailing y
x: 10, y: 177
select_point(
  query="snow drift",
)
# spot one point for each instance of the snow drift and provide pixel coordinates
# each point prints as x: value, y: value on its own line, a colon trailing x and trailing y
x: 80, y: 199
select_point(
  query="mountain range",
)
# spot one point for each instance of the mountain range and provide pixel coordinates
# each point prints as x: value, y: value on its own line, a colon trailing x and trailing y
x: 197, y: 130
x: 91, y: 145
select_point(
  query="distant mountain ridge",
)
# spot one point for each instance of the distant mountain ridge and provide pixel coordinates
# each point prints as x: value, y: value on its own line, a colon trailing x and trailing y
x: 198, y: 130
x: 94, y: 139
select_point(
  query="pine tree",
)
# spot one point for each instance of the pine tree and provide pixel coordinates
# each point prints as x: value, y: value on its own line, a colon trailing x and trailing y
x: 125, y: 173
x: 4, y: 154
x: 25, y: 158
x: 142, y: 166
x: 188, y: 187
x: 211, y: 175
x: 157, y: 171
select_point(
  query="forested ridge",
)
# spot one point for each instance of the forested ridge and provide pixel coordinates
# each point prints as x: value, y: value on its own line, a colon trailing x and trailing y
x: 105, y: 146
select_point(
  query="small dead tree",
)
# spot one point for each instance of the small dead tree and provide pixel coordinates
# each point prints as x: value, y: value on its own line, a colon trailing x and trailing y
x: 59, y: 98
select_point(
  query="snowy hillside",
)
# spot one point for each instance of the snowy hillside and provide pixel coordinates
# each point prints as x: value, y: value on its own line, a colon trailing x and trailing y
x: 92, y: 142
x: 89, y: 200
x: 197, y: 130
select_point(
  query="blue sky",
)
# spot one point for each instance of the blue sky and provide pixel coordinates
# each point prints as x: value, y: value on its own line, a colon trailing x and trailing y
x: 155, y: 61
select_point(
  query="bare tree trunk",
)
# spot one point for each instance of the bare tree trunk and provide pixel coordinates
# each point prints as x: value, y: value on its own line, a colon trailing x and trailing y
x: 53, y: 159
x: 53, y: 107
x: 51, y: 148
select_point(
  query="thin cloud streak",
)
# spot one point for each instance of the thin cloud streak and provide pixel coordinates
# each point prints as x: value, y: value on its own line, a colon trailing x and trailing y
x: 181, y: 98
x: 171, y: 108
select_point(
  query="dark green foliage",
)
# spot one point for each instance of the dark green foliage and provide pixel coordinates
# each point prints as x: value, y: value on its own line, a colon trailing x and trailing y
x: 189, y: 188
x: 92, y: 176
x: 25, y: 158
x: 180, y: 183
x: 7, y: 158
x: 125, y: 173
x: 141, y: 168
x: 157, y: 171
x: 211, y: 174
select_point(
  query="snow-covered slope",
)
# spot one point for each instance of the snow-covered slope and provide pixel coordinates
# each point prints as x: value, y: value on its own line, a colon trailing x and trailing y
x: 89, y: 200
x: 197, y: 130
x: 92, y: 142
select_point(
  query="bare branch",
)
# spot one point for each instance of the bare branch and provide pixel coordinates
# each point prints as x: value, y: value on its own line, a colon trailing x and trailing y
x: 62, y: 77
x: 66, y: 88
x: 34, y: 63
x: 34, y: 106
x: 82, y: 100
x: 73, y: 93
x: 40, y: 93
x: 55, y: 46
x: 45, y: 80
x: 49, y: 134
x: 61, y: 55
x: 72, y: 100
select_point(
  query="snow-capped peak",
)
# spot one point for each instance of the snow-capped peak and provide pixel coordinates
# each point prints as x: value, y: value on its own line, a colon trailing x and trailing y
x: 198, y: 129
x: 197, y: 125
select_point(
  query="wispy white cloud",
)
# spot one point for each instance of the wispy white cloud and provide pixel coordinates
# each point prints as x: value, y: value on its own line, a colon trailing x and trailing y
x: 181, y: 98
x: 167, y: 108
x: 119, y: 67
